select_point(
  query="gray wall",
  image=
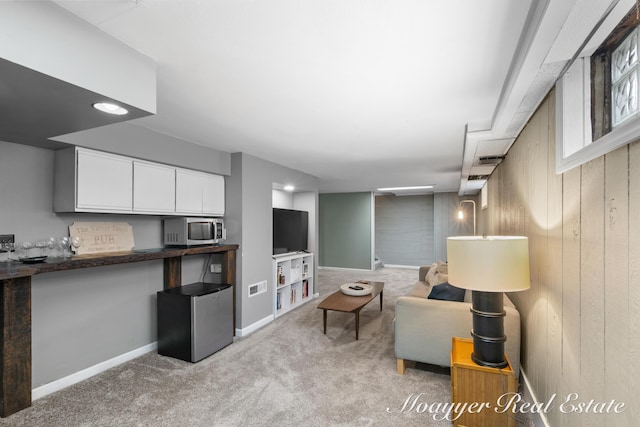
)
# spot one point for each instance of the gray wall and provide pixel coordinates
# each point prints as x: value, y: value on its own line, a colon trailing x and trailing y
x: 136, y: 141
x: 234, y: 225
x: 404, y: 229
x: 345, y: 230
x: 82, y: 317
x: 409, y: 230
x: 252, y: 182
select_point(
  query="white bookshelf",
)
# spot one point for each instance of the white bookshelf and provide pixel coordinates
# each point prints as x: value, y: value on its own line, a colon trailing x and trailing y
x: 293, y: 281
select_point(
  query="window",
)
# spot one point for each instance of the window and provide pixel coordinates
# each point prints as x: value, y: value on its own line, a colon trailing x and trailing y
x: 624, y: 80
x: 598, y: 98
x: 614, y: 77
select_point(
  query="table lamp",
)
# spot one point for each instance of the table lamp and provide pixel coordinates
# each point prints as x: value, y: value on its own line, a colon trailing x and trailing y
x: 489, y: 266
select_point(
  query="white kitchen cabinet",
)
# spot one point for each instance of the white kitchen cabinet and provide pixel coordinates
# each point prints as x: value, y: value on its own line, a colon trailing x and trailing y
x: 199, y: 193
x: 213, y: 195
x: 154, y: 188
x: 104, y: 181
x: 92, y: 181
x: 188, y: 192
x: 87, y: 180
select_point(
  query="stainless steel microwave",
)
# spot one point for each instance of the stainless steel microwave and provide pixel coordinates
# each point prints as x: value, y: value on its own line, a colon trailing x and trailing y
x: 194, y: 231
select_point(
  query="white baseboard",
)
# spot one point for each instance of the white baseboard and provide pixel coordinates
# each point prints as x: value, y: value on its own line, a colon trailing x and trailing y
x: 408, y: 267
x: 539, y: 419
x: 82, y: 375
x: 368, y: 270
x: 254, y: 327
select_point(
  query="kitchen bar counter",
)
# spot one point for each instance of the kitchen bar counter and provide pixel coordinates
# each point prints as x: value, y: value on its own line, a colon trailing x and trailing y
x: 15, y: 299
x: 15, y: 269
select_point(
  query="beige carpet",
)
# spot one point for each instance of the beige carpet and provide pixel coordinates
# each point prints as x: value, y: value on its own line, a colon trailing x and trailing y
x: 287, y: 373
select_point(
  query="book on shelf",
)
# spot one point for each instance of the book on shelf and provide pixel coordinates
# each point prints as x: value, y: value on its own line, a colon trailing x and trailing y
x: 280, y: 276
x: 305, y: 289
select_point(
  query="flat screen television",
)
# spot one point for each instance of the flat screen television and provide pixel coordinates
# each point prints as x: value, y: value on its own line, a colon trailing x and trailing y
x: 290, y: 228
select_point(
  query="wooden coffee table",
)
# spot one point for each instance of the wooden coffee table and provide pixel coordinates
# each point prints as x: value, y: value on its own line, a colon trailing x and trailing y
x: 338, y: 301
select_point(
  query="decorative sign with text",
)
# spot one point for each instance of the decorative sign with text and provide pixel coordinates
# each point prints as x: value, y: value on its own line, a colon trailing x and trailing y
x: 101, y: 237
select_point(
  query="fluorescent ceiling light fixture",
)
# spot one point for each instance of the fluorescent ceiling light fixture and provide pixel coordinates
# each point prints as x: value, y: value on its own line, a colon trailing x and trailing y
x: 415, y: 187
x: 289, y: 188
x: 107, y: 107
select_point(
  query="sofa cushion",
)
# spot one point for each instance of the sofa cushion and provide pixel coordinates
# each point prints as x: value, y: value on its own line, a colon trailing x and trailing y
x: 447, y: 292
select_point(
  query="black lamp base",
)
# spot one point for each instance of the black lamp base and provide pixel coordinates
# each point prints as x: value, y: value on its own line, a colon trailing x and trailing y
x: 488, y: 329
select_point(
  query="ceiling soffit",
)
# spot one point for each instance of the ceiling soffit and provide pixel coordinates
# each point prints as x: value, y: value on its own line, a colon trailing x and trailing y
x: 35, y: 107
x: 554, y: 35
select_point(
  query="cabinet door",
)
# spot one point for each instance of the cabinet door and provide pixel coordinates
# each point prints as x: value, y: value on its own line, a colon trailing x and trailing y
x: 189, y: 186
x: 104, y: 181
x: 213, y: 195
x: 199, y: 193
x: 154, y: 188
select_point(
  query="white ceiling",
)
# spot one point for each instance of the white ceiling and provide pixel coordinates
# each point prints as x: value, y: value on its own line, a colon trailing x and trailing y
x: 362, y: 94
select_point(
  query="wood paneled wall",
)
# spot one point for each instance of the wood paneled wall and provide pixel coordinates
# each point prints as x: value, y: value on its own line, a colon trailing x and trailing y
x: 581, y: 317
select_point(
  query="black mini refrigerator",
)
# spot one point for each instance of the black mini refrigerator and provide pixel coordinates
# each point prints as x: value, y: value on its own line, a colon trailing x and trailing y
x: 194, y: 321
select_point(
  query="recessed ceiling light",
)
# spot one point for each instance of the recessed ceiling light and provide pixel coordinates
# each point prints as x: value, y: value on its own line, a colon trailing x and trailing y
x: 415, y: 187
x: 110, y: 108
x: 289, y: 188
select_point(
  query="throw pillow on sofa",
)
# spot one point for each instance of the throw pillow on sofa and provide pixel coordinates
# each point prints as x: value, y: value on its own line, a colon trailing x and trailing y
x: 447, y: 292
x: 431, y: 273
x: 443, y: 267
x: 435, y: 275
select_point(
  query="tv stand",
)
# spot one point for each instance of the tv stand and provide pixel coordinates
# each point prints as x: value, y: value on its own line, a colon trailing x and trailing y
x: 293, y: 281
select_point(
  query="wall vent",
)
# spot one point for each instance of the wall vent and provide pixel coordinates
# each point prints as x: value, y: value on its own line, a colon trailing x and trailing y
x: 477, y: 177
x: 257, y: 288
x: 490, y: 160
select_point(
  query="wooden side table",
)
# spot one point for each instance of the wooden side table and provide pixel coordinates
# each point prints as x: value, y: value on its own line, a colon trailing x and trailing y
x: 471, y: 383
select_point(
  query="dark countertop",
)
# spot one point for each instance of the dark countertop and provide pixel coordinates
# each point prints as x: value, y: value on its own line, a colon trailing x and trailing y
x: 15, y: 269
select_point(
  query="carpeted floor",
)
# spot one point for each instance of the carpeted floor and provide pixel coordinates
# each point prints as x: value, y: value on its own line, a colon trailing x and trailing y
x: 287, y: 373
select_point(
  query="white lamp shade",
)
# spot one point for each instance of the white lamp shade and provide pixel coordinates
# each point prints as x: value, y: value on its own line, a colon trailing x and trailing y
x: 489, y: 264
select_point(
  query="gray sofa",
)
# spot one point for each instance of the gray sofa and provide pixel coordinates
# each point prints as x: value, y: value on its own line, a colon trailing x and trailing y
x: 424, y: 327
